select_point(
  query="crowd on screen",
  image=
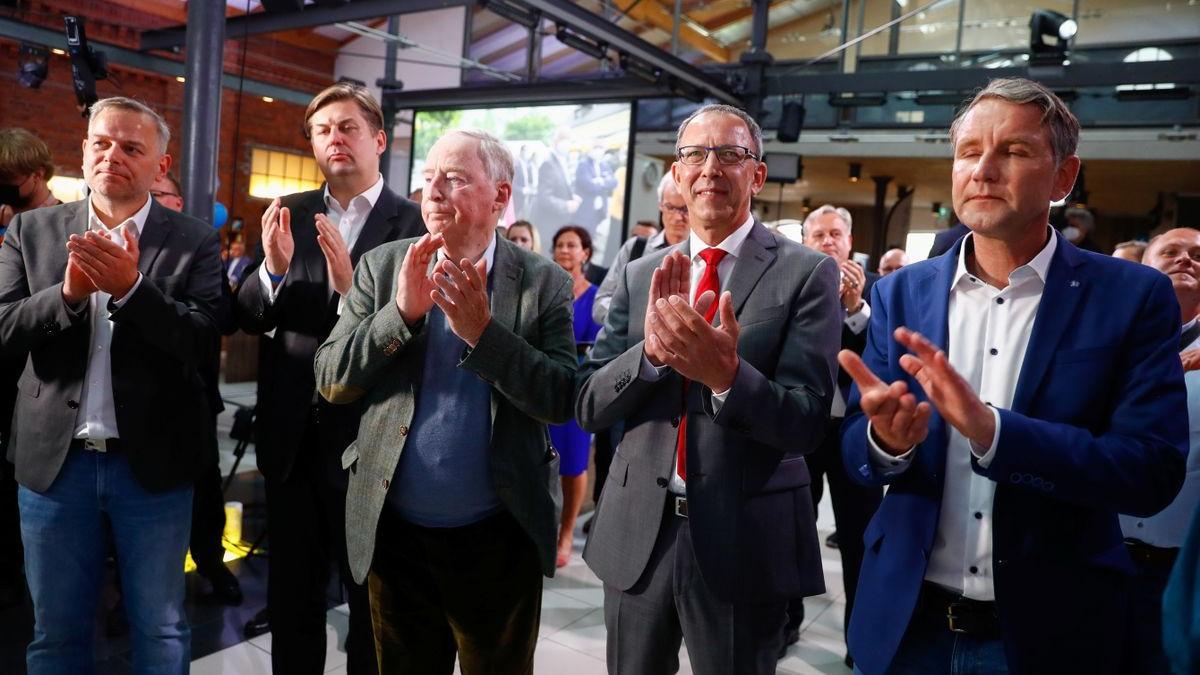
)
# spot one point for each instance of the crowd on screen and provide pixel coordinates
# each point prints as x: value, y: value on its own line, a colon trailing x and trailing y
x: 1003, y: 426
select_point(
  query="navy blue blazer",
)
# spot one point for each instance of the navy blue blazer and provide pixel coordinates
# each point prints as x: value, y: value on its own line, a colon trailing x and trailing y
x: 1098, y: 426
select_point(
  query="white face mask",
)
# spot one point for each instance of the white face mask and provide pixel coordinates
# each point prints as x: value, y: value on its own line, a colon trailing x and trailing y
x: 1072, y: 233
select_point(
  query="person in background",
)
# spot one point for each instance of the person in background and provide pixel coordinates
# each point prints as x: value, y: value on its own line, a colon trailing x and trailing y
x: 25, y: 167
x: 1154, y: 542
x: 166, y: 191
x: 524, y: 234
x: 1080, y: 223
x: 1132, y: 250
x: 891, y: 261
x: 237, y: 263
x: 572, y: 247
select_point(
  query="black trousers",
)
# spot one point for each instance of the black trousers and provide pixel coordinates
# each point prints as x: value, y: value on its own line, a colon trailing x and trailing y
x: 208, y: 517
x: 853, y: 507
x: 306, y: 532
x: 473, y: 591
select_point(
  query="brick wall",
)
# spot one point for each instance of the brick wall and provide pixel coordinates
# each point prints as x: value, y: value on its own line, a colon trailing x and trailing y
x: 50, y: 113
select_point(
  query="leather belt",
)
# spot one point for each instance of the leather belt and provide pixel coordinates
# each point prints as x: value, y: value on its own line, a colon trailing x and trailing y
x: 976, y: 618
x: 677, y: 504
x: 104, y: 445
x: 1153, y: 556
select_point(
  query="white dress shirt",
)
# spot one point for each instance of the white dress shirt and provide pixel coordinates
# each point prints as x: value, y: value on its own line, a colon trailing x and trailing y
x: 1168, y: 528
x: 97, y: 417
x: 349, y: 222
x: 731, y: 245
x: 989, y: 330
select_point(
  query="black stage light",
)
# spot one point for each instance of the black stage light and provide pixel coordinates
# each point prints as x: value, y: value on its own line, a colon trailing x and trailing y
x: 596, y: 51
x: 517, y: 15
x: 855, y: 171
x: 87, y: 64
x: 35, y: 65
x: 1045, y: 23
x: 791, y: 122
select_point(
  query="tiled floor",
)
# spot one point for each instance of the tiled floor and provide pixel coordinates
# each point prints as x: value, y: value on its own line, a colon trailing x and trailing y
x: 572, y: 636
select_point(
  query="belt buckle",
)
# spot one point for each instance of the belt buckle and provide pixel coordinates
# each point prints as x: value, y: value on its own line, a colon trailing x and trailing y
x: 681, y: 508
x: 951, y: 618
x: 95, y: 445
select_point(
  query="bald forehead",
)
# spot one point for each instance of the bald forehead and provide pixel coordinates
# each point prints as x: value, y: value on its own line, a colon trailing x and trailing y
x: 1185, y: 236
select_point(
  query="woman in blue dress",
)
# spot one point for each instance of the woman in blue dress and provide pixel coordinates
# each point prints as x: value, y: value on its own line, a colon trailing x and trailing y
x: 572, y: 249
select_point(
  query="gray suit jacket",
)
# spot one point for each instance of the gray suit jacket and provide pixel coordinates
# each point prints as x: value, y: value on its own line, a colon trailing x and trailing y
x: 751, y: 512
x: 527, y: 354
x: 163, y: 337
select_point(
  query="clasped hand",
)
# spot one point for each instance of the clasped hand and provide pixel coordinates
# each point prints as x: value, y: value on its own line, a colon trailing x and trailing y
x: 677, y: 335
x: 460, y: 290
x: 897, y: 419
x: 95, y: 262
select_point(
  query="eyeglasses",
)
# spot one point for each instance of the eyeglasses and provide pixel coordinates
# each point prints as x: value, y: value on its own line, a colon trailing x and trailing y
x: 726, y: 154
x: 158, y: 194
x: 677, y: 210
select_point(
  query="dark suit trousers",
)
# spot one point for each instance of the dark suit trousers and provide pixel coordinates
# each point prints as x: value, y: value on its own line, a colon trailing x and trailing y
x: 474, y: 590
x: 208, y: 517
x: 671, y: 602
x: 853, y: 507
x: 306, y: 530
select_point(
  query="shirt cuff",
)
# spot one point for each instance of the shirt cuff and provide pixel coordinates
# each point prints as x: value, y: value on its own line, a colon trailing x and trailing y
x: 270, y: 290
x: 718, y: 400
x: 884, y: 461
x: 651, y: 372
x: 117, y: 303
x: 857, y: 322
x: 985, y: 455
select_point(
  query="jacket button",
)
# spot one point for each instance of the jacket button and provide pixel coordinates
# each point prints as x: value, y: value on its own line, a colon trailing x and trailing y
x: 73, y: 404
x: 403, y: 430
x: 675, y: 421
x: 662, y: 482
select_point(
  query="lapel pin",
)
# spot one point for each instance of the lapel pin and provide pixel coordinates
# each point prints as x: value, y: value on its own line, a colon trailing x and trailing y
x: 1074, y: 284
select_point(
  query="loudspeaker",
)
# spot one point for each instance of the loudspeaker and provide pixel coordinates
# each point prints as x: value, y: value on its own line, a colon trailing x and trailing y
x: 791, y: 121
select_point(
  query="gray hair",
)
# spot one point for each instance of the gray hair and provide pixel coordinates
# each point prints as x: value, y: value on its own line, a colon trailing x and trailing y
x: 1063, y: 127
x: 132, y: 105
x: 751, y: 125
x: 1086, y: 219
x: 662, y: 185
x: 822, y: 210
x: 497, y: 160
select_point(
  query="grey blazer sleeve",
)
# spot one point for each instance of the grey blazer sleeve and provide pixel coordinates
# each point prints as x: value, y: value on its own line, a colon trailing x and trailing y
x: 27, y: 321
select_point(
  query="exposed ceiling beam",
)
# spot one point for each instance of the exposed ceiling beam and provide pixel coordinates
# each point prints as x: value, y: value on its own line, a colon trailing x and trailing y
x: 599, y: 29
x: 656, y: 15
x: 571, y: 91
x: 313, y: 15
x: 174, y: 10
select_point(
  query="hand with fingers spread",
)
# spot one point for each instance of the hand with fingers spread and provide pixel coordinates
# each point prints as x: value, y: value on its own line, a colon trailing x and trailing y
x: 414, y: 286
x: 691, y: 345
x: 337, y: 255
x: 673, y: 278
x: 954, y: 399
x: 854, y: 279
x: 278, y: 244
x: 461, y: 293
x: 897, y: 420
x: 112, y: 268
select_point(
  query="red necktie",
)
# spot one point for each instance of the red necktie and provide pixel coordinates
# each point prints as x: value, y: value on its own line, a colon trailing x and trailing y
x: 709, y: 281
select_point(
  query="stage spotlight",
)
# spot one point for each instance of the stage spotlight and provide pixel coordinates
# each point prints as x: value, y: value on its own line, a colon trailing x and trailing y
x: 936, y: 208
x: 855, y: 171
x: 791, y: 122
x: 35, y: 65
x: 1044, y: 24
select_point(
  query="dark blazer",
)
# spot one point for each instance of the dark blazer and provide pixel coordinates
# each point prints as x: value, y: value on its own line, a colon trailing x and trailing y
x: 162, y: 337
x: 750, y: 509
x: 946, y: 239
x: 549, y: 209
x: 593, y: 178
x: 527, y: 355
x: 1098, y: 426
x: 302, y: 315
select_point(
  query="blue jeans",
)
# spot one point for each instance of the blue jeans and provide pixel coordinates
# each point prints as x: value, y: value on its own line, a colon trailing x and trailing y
x: 64, y: 534
x: 929, y: 648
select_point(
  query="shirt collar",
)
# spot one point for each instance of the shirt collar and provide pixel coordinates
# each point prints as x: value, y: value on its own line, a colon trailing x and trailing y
x: 371, y: 194
x: 730, y: 244
x: 1188, y: 326
x: 489, y: 254
x: 1039, y: 266
x: 138, y: 219
x: 657, y: 240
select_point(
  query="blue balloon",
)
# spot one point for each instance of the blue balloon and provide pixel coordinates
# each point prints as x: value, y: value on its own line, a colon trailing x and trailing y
x: 220, y: 215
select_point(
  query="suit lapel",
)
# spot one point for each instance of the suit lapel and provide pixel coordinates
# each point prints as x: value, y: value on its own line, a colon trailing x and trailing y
x: 153, y: 236
x: 753, y: 259
x: 932, y: 294
x: 379, y: 227
x: 506, y: 278
x: 1065, y: 287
